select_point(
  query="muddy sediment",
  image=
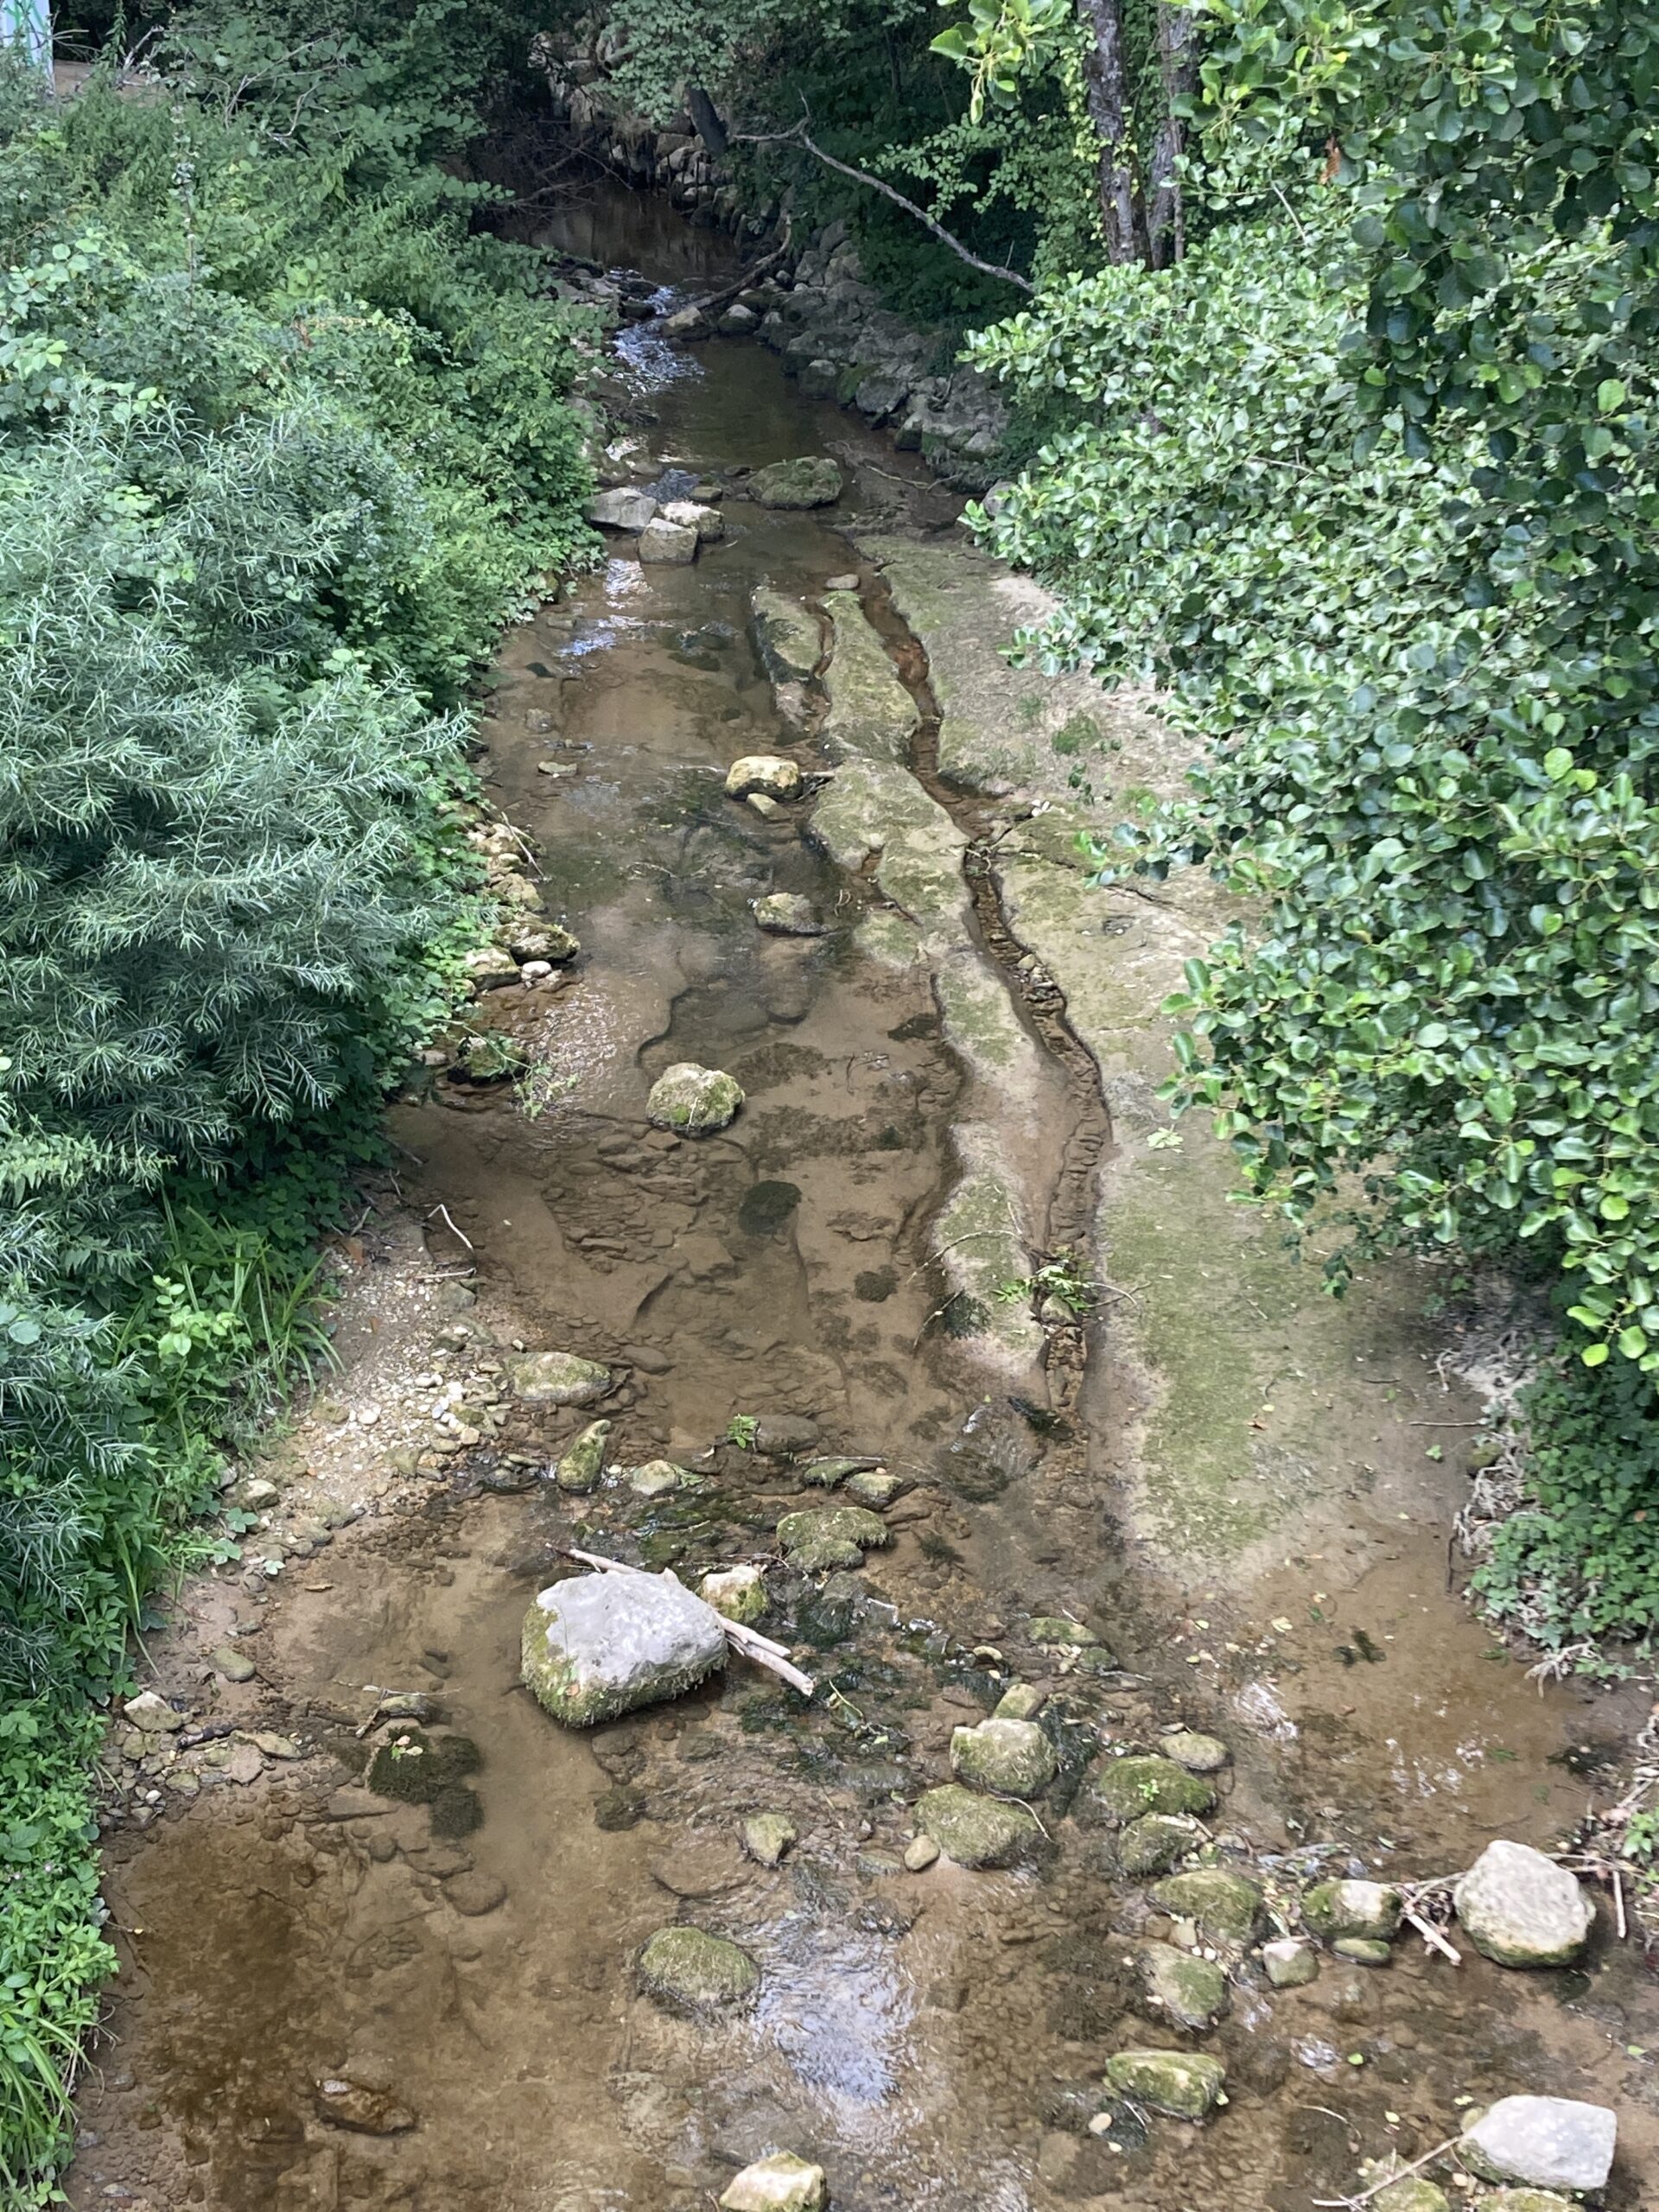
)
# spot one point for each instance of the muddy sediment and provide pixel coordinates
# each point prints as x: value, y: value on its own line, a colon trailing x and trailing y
x: 394, y: 1964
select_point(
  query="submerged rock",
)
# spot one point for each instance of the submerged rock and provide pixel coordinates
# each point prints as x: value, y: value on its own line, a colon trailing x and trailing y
x: 583, y: 1461
x: 814, y: 480
x: 599, y: 1644
x: 693, y: 1100
x: 786, y: 636
x: 737, y: 1593
x: 1415, y: 2195
x: 832, y: 1536
x: 1126, y: 1788
x: 558, y: 1378
x: 1189, y: 1993
x: 764, y: 775
x: 781, y: 914
x: 1060, y: 1629
x: 1369, y: 1909
x: 782, y: 2183
x: 1522, y: 1909
x: 365, y: 2111
x: 977, y: 1831
x: 825, y: 1474
x: 1012, y: 1756
x: 1543, y: 2142
x: 626, y: 508
x: 691, y: 1971
x: 1185, y: 2084
x: 767, y: 1836
x: 1153, y: 1843
x: 1224, y: 1905
x: 1518, y: 2200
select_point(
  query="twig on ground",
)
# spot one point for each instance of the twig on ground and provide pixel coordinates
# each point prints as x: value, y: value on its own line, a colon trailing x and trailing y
x: 1404, y: 2173
x: 1433, y: 1937
x: 450, y: 1225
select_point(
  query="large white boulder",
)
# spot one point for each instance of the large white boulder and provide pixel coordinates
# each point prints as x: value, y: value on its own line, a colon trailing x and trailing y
x: 1542, y: 2143
x: 1522, y: 1909
x: 599, y: 1644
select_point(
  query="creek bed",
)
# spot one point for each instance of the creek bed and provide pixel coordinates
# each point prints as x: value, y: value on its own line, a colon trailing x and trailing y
x: 937, y: 2040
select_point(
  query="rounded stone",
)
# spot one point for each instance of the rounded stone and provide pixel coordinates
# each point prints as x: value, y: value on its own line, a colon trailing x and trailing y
x: 1224, y: 1905
x: 1363, y: 1950
x: 1522, y: 1909
x: 690, y: 1970
x: 693, y: 1101
x: 737, y: 1593
x: 1153, y: 1844
x: 658, y: 1478
x: 764, y: 775
x: 1369, y: 1909
x: 920, y: 1853
x: 767, y: 1836
x: 1011, y: 1757
x: 814, y: 480
x: 474, y: 1894
x: 1126, y: 1789
x: 558, y: 1378
x: 782, y: 2183
x: 976, y: 1831
x: 1197, y: 1754
x: 1184, y: 2084
x: 1187, y: 1991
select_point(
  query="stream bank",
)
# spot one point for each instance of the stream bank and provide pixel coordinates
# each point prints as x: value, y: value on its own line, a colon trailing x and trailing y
x: 1224, y: 1519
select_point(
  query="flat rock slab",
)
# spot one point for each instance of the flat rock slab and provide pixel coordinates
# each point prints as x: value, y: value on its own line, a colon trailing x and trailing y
x: 558, y: 1378
x: 975, y: 1831
x: 832, y: 1536
x: 1543, y: 2142
x: 599, y: 1644
x: 1224, y: 1905
x: 690, y: 1970
x: 624, y: 509
x: 786, y: 636
x: 1522, y: 1909
x: 700, y: 1868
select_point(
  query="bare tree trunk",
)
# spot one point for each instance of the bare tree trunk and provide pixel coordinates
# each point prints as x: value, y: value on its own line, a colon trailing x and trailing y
x: 1107, y: 101
x: 1177, y: 63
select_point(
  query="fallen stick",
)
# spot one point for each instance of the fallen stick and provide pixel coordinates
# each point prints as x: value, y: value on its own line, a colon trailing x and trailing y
x: 753, y: 1645
x: 1433, y: 1937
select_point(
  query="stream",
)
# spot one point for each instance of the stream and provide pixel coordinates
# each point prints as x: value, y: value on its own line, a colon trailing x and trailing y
x: 456, y: 1965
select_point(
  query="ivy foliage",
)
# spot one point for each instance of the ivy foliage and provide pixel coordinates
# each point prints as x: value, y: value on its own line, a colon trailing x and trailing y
x: 284, y: 436
x: 1368, y: 482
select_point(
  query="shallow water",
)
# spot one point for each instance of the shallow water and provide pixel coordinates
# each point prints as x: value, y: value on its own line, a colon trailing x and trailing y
x: 927, y: 2038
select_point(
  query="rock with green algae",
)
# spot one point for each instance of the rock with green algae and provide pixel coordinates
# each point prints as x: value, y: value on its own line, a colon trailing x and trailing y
x: 583, y: 1461
x: 833, y: 1536
x: 1175, y: 1987
x: 1511, y: 2200
x: 1153, y: 1843
x: 737, y: 1593
x: 872, y: 715
x: 786, y: 636
x: 1225, y: 1906
x: 1369, y: 1909
x: 767, y: 1836
x: 1415, y: 2195
x: 1126, y: 1788
x: 689, y: 1970
x: 660, y: 1479
x: 785, y: 914
x: 875, y: 1488
x: 1363, y: 1950
x: 693, y: 1101
x: 597, y: 1645
x: 1059, y: 1628
x: 977, y: 1831
x: 1291, y: 1964
x: 1023, y: 1702
x: 813, y: 481
x: 825, y: 1473
x: 1185, y: 2084
x: 782, y: 2183
x: 556, y: 1378
x: 1013, y: 1757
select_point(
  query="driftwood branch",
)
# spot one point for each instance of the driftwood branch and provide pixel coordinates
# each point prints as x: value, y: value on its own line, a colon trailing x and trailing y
x: 800, y: 136
x: 750, y: 1642
x: 1432, y: 1935
x: 759, y: 268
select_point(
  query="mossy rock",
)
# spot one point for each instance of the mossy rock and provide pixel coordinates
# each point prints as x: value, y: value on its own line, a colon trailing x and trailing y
x: 583, y: 1461
x: 416, y: 1768
x: 814, y: 480
x: 1153, y: 1844
x: 691, y: 1971
x: 832, y: 1536
x: 1370, y: 1910
x: 975, y: 1831
x: 1185, y: 2084
x: 1512, y: 2200
x: 1175, y: 1987
x: 1126, y: 1789
x: 1013, y: 1757
x: 693, y: 1101
x: 1363, y: 1950
x: 1057, y: 1629
x: 1225, y: 1906
x: 1416, y: 2195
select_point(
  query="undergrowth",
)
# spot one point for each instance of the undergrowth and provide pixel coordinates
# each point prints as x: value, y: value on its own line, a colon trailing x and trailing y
x: 283, y: 438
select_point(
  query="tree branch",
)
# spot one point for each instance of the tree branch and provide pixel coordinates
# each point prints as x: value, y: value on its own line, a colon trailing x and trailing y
x: 799, y: 136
